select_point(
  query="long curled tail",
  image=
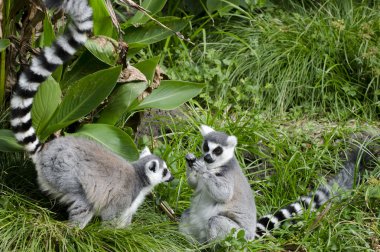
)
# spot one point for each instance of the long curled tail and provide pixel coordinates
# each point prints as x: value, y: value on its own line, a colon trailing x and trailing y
x: 42, y: 67
x: 344, y: 181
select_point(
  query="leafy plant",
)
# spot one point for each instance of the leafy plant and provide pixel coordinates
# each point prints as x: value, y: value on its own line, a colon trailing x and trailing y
x: 95, y: 76
x: 7, y: 141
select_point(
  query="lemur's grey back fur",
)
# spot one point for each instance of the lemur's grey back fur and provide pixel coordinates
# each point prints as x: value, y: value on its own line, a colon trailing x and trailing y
x: 95, y: 181
x: 357, y: 160
x: 78, y: 171
x: 223, y: 199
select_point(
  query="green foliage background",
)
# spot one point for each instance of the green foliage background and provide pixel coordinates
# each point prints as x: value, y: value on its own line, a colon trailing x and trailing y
x: 292, y: 79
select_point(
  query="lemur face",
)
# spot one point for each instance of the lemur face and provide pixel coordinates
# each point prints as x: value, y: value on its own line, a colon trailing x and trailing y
x: 218, y: 148
x: 157, y: 172
x: 155, y: 168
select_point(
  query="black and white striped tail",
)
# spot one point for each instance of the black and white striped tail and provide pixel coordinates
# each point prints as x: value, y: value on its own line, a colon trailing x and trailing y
x: 42, y: 67
x: 312, y: 201
x: 343, y: 181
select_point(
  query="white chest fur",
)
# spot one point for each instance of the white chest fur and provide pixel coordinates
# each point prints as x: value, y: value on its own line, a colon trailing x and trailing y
x: 203, y: 207
x: 126, y: 216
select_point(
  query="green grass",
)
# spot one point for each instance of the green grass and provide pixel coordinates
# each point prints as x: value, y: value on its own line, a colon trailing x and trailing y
x: 298, y: 154
x: 26, y: 226
x: 285, y: 85
x: 323, y: 59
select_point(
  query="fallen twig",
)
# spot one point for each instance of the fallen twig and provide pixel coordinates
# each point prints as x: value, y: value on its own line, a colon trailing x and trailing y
x: 166, y: 208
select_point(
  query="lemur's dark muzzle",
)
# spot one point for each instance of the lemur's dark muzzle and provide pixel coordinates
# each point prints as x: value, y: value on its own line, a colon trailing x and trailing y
x: 170, y: 179
x: 208, y: 158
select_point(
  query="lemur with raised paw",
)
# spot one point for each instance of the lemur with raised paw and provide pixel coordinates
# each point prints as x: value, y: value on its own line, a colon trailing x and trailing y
x: 223, y: 198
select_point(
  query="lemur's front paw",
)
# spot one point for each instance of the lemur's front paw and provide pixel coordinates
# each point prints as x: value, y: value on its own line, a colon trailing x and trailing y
x: 200, y: 166
x: 190, y: 159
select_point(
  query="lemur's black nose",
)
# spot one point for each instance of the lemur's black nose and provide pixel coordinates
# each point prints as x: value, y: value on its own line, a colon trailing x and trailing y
x: 208, y: 158
x: 170, y: 179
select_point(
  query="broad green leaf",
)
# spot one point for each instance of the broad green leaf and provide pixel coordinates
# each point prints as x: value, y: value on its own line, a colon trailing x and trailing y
x: 4, y: 43
x: 48, y: 36
x: 45, y: 103
x: 120, y: 100
x: 82, y: 98
x: 151, y: 32
x: 8, y: 142
x: 104, y: 49
x: 57, y: 74
x: 170, y: 94
x: 85, y: 65
x: 148, y: 67
x: 102, y: 20
x: 152, y: 6
x: 111, y: 137
x: 240, y: 234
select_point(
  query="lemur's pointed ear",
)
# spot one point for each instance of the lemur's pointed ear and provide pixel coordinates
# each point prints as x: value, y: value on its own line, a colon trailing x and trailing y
x: 205, y: 130
x: 145, y: 152
x: 232, y: 141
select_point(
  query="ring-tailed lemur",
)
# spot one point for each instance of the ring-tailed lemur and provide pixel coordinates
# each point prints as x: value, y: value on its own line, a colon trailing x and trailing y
x: 208, y: 218
x: 223, y: 199
x: 78, y: 171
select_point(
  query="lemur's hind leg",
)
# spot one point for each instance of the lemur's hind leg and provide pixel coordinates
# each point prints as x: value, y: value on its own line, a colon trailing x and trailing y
x: 219, y: 227
x: 80, y: 211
